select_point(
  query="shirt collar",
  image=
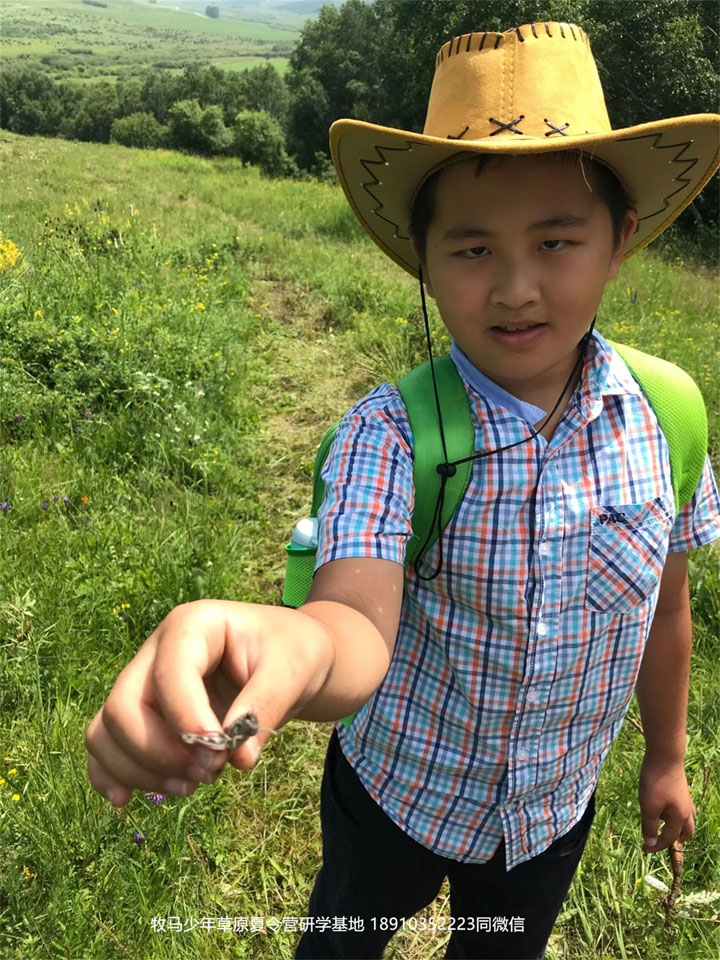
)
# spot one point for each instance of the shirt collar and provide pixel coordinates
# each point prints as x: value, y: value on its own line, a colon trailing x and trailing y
x: 604, y: 374
x: 489, y: 390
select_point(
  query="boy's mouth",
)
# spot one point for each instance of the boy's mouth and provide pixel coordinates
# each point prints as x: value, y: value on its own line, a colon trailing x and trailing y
x: 517, y: 333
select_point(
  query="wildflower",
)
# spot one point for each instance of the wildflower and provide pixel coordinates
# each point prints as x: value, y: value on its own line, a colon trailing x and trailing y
x: 87, y: 414
x: 656, y: 884
x: 5, y: 506
x: 45, y: 506
x: 66, y: 501
x: 18, y: 417
x: 155, y: 797
x: 15, y: 797
x: 139, y: 837
x: 9, y: 254
x: 84, y: 499
x: 55, y: 498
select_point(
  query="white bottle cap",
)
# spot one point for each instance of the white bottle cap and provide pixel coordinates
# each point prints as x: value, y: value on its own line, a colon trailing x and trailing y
x: 305, y: 533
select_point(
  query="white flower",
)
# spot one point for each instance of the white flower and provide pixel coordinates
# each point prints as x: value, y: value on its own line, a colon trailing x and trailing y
x: 656, y: 884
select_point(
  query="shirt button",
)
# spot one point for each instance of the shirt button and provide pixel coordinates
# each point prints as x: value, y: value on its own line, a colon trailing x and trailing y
x: 544, y: 549
x: 542, y: 629
x: 522, y: 754
x: 532, y: 696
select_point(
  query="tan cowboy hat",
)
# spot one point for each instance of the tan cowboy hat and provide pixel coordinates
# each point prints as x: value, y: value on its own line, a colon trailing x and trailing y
x: 534, y: 89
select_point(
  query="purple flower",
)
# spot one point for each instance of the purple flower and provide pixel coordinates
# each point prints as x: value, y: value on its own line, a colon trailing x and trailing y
x: 87, y: 414
x: 18, y: 417
x: 139, y: 838
x: 66, y: 501
x: 5, y: 506
x: 55, y: 498
x: 155, y: 797
x: 45, y: 506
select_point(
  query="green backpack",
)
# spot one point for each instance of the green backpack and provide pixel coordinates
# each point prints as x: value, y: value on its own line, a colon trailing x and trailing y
x: 673, y: 394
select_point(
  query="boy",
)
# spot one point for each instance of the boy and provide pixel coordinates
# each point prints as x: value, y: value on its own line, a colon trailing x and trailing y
x: 490, y: 679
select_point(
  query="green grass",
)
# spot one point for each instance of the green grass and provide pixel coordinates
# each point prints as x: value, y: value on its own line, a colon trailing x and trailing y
x: 71, y: 39
x: 174, y: 340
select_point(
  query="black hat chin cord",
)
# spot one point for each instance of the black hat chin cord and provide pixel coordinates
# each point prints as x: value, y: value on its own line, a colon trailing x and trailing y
x: 448, y: 469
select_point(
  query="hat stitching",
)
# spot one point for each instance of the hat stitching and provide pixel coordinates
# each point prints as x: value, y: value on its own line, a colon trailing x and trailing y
x: 447, y: 48
x: 507, y: 126
x: 376, y: 181
x: 680, y: 178
x: 555, y: 129
x: 458, y: 136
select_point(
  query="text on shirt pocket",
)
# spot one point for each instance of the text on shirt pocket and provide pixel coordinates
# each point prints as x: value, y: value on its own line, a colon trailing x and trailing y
x: 628, y: 547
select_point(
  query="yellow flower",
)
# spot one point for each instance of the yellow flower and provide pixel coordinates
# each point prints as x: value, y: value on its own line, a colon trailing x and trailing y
x: 9, y: 254
x: 15, y: 797
x: 11, y: 773
x: 38, y: 314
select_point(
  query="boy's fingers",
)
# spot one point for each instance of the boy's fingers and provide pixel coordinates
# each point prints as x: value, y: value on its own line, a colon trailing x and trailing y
x: 144, y: 767
x: 106, y: 785
x: 649, y: 832
x: 274, y: 693
x: 182, y: 661
x: 670, y: 832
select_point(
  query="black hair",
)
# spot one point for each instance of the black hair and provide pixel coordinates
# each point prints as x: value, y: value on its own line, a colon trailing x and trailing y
x: 609, y: 189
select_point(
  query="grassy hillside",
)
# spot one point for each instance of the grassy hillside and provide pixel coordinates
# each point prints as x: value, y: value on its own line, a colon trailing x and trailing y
x: 69, y: 38
x: 176, y: 334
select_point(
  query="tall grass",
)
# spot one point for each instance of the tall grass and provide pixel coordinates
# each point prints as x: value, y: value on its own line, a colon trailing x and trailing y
x: 176, y: 335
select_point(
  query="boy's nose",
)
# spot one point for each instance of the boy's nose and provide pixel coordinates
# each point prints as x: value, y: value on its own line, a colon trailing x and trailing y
x: 515, y: 287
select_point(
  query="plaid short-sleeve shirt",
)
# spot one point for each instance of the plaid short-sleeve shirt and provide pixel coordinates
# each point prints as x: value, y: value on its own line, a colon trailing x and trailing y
x: 514, y: 668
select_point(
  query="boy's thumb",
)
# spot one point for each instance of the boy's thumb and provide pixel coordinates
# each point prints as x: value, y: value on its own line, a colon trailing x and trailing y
x: 649, y: 832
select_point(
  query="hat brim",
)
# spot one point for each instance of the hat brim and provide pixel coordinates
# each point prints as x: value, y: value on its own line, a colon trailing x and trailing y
x: 663, y: 166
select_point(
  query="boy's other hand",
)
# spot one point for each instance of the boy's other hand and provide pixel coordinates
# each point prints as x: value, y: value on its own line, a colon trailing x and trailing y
x: 664, y: 795
x: 207, y: 663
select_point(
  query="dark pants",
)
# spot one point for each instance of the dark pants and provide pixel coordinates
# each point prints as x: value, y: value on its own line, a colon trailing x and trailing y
x: 373, y: 869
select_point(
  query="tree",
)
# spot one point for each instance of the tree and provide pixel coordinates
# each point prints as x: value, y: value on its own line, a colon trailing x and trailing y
x: 258, y: 139
x: 200, y: 131
x: 95, y: 115
x: 137, y: 130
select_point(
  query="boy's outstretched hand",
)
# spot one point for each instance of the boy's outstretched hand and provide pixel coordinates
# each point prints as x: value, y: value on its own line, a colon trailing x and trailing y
x: 207, y: 664
x: 664, y: 795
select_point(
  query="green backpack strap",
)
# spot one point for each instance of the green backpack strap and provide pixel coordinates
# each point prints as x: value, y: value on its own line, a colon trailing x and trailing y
x: 418, y: 393
x: 680, y: 411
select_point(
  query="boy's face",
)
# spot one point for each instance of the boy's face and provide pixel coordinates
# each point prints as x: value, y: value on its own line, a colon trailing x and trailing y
x: 519, y: 302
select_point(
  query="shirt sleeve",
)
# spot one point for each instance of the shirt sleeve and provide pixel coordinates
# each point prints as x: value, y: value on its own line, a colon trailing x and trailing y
x: 698, y: 521
x: 368, y: 476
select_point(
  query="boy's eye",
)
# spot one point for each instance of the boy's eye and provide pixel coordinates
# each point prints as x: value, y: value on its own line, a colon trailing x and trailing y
x: 475, y: 253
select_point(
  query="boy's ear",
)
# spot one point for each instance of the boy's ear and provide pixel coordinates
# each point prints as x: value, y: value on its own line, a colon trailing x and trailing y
x: 631, y: 220
x: 426, y: 279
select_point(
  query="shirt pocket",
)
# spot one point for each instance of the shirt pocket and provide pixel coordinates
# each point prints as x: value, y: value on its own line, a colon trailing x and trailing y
x: 626, y: 556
